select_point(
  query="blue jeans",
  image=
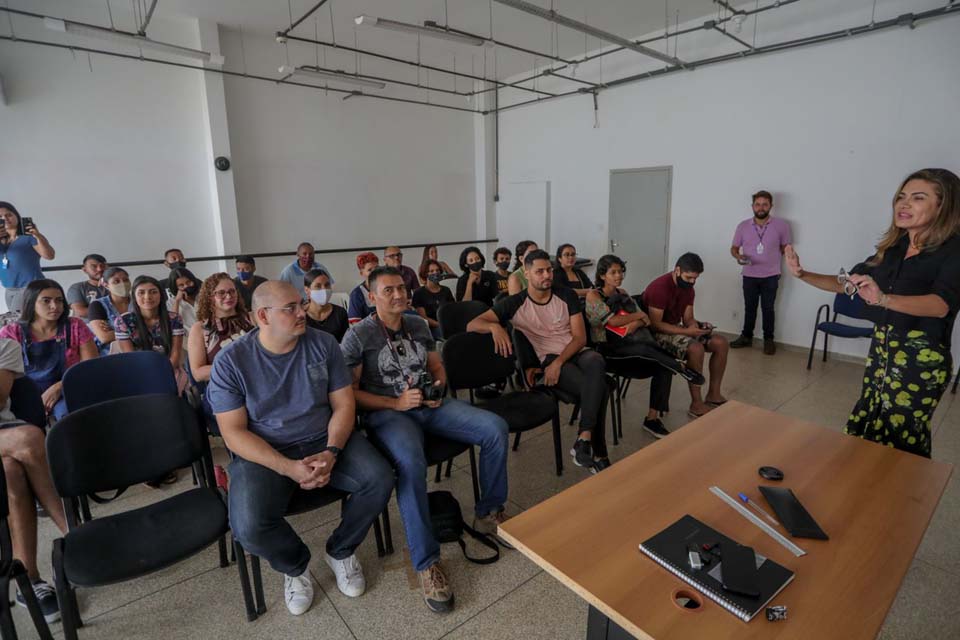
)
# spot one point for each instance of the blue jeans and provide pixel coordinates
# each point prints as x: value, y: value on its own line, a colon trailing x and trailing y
x: 399, y: 434
x: 259, y: 498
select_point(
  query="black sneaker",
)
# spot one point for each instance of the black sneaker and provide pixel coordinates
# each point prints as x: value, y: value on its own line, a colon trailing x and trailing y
x: 46, y: 597
x: 654, y: 426
x: 582, y: 453
x: 741, y: 342
x: 599, y: 465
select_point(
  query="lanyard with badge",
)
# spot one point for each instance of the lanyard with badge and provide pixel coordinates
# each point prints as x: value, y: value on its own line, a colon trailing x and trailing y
x: 397, y: 350
x: 760, y: 235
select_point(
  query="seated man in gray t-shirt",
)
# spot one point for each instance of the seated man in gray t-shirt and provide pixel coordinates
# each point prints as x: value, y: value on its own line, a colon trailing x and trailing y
x: 284, y: 403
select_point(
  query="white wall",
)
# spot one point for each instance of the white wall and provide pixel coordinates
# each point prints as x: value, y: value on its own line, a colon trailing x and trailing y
x: 109, y: 159
x: 830, y: 130
x: 356, y: 173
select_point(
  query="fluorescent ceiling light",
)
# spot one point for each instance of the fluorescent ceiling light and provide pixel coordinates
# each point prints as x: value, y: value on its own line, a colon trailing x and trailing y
x: 553, y: 16
x: 429, y: 30
x: 335, y: 76
x: 122, y: 37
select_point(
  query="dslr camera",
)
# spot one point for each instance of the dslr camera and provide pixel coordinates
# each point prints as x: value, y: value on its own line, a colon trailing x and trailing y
x: 431, y: 392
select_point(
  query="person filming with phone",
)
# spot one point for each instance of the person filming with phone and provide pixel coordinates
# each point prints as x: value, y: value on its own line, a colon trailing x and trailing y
x: 21, y: 247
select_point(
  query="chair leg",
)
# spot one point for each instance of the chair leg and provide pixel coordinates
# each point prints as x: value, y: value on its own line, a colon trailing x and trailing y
x: 26, y: 588
x: 826, y: 336
x: 619, y: 417
x: 473, y: 475
x: 575, y: 414
x: 612, y: 403
x: 813, y: 346
x: 378, y: 536
x: 557, y: 444
x: 516, y: 441
x: 449, y: 467
x: 245, y: 582
x: 257, y: 584
x: 85, y: 509
x: 65, y: 598
x: 387, y: 534
x: 7, y: 628
x: 439, y: 472
x: 222, y: 547
x: 956, y: 379
x: 626, y: 387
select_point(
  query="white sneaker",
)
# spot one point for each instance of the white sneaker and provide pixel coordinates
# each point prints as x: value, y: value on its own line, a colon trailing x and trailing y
x: 298, y: 593
x: 349, y: 575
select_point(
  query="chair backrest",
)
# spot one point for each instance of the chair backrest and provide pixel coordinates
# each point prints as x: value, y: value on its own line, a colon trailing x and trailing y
x: 852, y: 308
x: 26, y: 403
x: 471, y: 362
x: 117, y: 376
x: 122, y: 442
x: 524, y: 352
x: 455, y: 316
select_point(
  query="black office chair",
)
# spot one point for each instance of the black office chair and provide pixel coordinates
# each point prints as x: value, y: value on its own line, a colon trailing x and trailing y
x: 10, y: 567
x: 455, y: 316
x: 843, y: 305
x: 301, y: 502
x: 26, y: 402
x: 115, y: 444
x: 471, y: 362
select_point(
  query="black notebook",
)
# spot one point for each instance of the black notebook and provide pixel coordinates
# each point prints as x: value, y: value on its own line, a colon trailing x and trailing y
x: 670, y: 549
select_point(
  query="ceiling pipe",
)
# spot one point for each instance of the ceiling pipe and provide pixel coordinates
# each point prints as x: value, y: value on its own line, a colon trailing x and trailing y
x: 234, y: 74
x: 570, y: 23
x: 146, y: 21
x: 907, y: 19
x: 413, y: 63
x: 730, y: 35
x: 302, y: 18
x: 667, y: 34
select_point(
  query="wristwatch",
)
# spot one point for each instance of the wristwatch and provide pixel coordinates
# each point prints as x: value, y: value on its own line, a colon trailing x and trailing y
x: 336, y: 451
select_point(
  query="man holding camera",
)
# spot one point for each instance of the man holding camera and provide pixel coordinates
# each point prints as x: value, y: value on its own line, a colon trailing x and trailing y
x: 669, y: 303
x: 399, y: 381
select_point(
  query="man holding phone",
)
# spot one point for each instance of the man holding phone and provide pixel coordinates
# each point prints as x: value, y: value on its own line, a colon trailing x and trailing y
x: 21, y: 247
x: 669, y: 303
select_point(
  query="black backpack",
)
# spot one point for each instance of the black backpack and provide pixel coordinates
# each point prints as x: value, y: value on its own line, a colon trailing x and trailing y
x: 447, y: 523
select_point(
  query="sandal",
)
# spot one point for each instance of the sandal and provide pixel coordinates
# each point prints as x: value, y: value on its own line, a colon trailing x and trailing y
x: 170, y: 478
x: 715, y: 404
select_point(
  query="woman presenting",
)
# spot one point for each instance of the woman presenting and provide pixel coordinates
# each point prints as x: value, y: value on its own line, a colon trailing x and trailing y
x: 912, y: 287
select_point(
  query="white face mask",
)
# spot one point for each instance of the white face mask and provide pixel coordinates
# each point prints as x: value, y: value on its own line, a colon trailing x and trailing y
x: 119, y: 289
x: 320, y: 296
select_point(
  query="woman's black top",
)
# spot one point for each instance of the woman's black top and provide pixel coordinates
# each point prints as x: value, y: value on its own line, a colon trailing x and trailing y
x: 580, y: 281
x: 431, y: 301
x: 934, y: 271
x: 336, y: 324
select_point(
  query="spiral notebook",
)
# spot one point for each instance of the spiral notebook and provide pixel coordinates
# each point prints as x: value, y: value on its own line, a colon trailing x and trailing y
x: 670, y: 547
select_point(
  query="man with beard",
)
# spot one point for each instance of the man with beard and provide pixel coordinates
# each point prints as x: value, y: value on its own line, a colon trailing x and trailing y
x: 758, y: 244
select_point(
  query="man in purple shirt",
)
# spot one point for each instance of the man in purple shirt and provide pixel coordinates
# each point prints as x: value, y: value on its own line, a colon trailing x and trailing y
x: 758, y: 244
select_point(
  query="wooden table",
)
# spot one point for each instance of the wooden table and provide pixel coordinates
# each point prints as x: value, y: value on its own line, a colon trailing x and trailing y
x: 874, y: 502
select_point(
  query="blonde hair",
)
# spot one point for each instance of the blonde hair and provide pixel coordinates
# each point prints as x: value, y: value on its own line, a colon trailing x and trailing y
x: 945, y: 225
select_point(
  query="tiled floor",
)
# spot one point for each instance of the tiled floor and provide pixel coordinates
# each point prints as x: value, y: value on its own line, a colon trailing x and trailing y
x: 512, y: 598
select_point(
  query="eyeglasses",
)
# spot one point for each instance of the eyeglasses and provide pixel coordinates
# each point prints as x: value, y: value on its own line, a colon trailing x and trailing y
x: 849, y: 288
x: 291, y: 309
x: 225, y: 293
x: 568, y: 255
x: 394, y: 255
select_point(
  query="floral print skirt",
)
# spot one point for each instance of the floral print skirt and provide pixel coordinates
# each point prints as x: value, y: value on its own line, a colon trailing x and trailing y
x: 905, y: 378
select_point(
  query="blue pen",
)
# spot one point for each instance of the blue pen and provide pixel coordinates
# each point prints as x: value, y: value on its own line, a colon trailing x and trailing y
x: 756, y: 508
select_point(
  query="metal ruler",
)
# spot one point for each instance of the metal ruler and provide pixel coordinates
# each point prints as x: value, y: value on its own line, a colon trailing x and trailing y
x: 749, y: 515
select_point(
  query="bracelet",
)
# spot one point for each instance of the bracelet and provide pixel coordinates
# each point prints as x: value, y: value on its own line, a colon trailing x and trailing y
x: 882, y: 301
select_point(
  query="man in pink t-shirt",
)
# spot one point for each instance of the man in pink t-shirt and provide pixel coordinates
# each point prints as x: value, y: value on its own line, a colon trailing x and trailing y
x: 758, y: 244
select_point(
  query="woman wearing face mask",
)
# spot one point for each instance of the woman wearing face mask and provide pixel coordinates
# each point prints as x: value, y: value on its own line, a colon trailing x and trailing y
x: 430, y: 253
x: 321, y: 313
x: 433, y: 295
x: 569, y: 275
x: 20, y: 252
x: 518, y: 279
x: 50, y: 340
x: 476, y: 283
x: 221, y: 318
x: 184, y: 288
x: 103, y: 312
